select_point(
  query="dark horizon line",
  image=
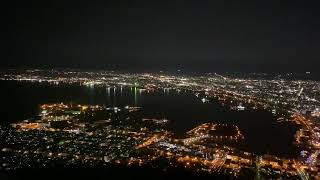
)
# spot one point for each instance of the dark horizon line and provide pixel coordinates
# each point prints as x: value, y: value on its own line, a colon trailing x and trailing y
x: 156, y: 69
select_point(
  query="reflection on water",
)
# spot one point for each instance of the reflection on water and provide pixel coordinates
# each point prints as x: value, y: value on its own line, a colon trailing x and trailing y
x: 135, y: 97
x: 183, y: 109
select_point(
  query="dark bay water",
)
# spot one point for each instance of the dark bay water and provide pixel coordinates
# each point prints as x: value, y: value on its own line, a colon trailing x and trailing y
x: 21, y: 100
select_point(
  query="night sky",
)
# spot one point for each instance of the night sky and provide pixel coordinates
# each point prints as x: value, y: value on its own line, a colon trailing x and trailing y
x: 155, y: 35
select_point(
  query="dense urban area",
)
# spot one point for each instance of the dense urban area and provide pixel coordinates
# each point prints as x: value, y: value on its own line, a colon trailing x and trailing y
x: 99, y: 135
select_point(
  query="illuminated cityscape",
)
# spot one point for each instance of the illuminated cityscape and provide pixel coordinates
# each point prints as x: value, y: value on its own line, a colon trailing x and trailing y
x: 94, y: 134
x: 160, y: 90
